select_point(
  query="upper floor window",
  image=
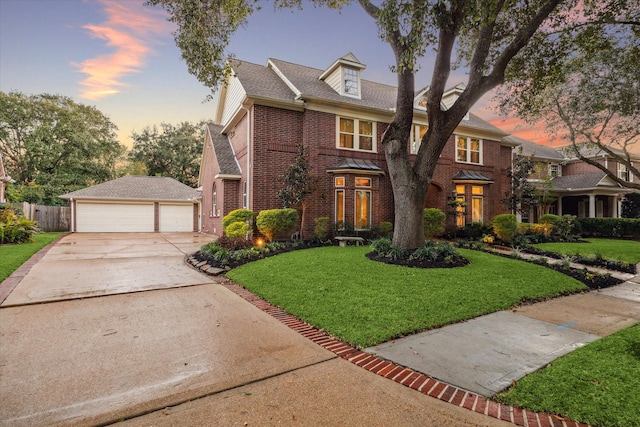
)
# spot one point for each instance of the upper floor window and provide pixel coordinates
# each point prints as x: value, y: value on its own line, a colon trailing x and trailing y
x: 555, y: 170
x: 623, y: 172
x: 351, y: 83
x: 354, y: 134
x: 468, y: 150
x: 417, y: 133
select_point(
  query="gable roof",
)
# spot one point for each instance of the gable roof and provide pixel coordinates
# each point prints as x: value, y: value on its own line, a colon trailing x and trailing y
x: 583, y: 181
x: 227, y: 162
x: 137, y: 188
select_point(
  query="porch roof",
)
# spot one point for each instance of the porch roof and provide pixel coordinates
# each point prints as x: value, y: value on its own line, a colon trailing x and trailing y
x: 473, y: 176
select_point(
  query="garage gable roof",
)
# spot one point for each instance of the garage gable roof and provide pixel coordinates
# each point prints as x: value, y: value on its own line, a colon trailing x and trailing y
x: 138, y: 188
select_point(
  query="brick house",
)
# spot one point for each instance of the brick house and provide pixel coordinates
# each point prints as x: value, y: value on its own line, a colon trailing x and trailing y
x: 264, y: 111
x: 578, y: 188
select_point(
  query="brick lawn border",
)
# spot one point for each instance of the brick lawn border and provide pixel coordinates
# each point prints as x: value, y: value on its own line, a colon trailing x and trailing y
x: 9, y: 284
x: 403, y: 375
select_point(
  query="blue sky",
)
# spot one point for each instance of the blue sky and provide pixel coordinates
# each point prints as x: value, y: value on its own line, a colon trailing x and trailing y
x: 120, y: 56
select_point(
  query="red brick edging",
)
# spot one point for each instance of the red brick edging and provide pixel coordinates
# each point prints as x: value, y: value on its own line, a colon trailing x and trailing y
x: 8, y: 284
x: 405, y: 376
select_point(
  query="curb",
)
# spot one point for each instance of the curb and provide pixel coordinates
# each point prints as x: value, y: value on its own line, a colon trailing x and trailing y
x: 405, y: 376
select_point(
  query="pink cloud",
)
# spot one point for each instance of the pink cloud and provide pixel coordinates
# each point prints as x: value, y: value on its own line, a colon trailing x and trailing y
x: 130, y: 30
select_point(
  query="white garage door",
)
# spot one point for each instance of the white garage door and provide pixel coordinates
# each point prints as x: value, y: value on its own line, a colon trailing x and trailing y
x: 175, y: 218
x: 114, y: 217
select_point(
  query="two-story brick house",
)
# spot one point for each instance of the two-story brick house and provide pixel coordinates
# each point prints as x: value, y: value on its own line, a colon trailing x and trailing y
x: 577, y: 187
x: 263, y: 112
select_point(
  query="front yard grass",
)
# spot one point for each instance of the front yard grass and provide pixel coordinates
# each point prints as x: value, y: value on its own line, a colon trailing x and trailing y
x: 13, y: 256
x: 364, y: 302
x: 621, y: 250
x: 598, y: 384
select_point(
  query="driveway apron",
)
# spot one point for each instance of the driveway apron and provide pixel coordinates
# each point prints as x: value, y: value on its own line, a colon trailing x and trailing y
x: 89, y: 361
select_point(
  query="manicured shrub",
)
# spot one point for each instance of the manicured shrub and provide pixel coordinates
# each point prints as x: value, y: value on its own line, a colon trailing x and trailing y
x: 505, y: 226
x: 238, y: 215
x: 274, y: 222
x: 549, y: 219
x: 434, y: 220
x: 15, y: 228
x: 386, y: 229
x: 321, y: 230
x: 610, y: 227
x: 236, y: 229
x: 476, y: 230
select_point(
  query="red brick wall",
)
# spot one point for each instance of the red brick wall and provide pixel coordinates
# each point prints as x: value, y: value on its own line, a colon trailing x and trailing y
x: 275, y: 135
x: 579, y: 167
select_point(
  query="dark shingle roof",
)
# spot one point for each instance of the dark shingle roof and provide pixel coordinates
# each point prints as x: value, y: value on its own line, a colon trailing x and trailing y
x: 137, y: 188
x: 531, y: 149
x: 227, y: 162
x: 260, y: 81
x: 576, y: 182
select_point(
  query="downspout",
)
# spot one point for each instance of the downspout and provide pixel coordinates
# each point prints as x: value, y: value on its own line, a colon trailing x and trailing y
x: 249, y: 156
x: 72, y: 203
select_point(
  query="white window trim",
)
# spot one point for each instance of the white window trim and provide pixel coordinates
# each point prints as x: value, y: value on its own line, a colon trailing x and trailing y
x: 356, y: 135
x: 342, y: 190
x: 623, y: 169
x: 414, y: 144
x: 363, y: 186
x: 468, y: 150
x: 558, y: 169
x: 355, y: 207
x: 343, y: 81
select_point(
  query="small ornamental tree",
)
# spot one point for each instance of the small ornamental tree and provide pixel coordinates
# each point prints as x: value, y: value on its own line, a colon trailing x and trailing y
x: 298, y: 184
x: 521, y: 194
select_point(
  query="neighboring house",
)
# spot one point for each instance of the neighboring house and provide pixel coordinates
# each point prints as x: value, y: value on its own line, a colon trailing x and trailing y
x: 576, y: 187
x: 4, y: 180
x: 135, y: 204
x: 263, y: 112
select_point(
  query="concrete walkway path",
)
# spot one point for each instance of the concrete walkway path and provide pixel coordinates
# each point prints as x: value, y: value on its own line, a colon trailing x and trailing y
x: 106, y: 328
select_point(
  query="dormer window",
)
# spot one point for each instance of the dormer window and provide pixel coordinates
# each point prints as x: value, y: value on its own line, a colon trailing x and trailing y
x: 344, y: 76
x: 351, y: 86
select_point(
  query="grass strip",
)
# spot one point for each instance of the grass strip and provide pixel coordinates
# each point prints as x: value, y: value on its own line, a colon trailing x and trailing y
x: 613, y: 249
x: 13, y: 256
x: 364, y: 302
x: 598, y: 384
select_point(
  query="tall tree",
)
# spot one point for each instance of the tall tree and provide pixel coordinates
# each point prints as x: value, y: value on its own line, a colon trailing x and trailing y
x: 492, y: 39
x: 172, y: 150
x: 592, y: 101
x: 521, y: 195
x: 54, y: 145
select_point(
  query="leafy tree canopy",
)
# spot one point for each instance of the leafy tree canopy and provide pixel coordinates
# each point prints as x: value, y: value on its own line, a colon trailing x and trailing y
x: 172, y: 150
x: 495, y: 40
x: 52, y: 145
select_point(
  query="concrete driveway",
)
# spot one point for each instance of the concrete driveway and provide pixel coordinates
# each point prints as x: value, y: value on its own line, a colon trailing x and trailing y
x: 109, y: 327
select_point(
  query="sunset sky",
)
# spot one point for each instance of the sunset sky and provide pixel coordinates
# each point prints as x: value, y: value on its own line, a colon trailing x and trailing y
x: 120, y: 56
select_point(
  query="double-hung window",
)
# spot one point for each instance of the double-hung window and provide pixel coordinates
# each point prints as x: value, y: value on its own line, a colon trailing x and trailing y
x: 416, y: 137
x: 351, y: 83
x: 623, y: 172
x: 555, y: 170
x: 468, y: 150
x: 460, y: 205
x: 355, y: 134
x: 476, y: 203
x: 363, y: 204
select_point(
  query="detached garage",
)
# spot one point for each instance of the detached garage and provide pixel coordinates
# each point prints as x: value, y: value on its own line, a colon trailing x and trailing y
x: 135, y: 204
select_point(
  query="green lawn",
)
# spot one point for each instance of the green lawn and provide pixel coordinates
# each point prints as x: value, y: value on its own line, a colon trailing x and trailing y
x: 621, y: 250
x: 13, y: 256
x: 598, y: 384
x: 364, y: 302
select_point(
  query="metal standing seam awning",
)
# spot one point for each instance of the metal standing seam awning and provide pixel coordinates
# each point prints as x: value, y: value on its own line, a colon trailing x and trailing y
x: 474, y: 177
x: 356, y: 165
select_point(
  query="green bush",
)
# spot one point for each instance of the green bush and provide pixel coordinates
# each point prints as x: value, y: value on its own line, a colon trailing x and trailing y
x: 505, y: 226
x: 386, y: 229
x: 610, y: 227
x: 549, y: 219
x: 15, y: 228
x: 476, y: 230
x: 273, y: 222
x: 236, y: 229
x: 321, y: 230
x: 238, y: 215
x: 434, y: 220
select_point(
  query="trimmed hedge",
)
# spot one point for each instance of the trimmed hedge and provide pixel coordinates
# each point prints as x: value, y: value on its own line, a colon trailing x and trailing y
x: 505, y: 226
x: 238, y: 215
x: 610, y: 227
x: 434, y: 220
x: 274, y: 222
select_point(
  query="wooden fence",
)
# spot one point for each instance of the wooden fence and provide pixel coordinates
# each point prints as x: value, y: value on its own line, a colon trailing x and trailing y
x: 49, y: 218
